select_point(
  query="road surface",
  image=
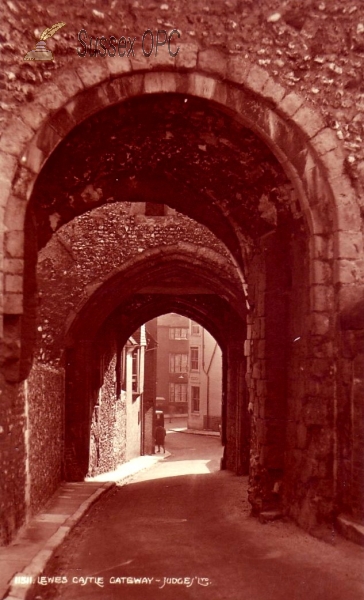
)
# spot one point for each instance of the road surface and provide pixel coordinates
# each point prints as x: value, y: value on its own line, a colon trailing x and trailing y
x: 182, y: 530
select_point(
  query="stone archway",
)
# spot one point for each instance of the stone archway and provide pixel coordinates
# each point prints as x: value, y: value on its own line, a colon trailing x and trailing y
x: 170, y: 284
x: 179, y: 278
x: 311, y: 158
x: 308, y: 151
x: 80, y: 312
x: 128, y: 317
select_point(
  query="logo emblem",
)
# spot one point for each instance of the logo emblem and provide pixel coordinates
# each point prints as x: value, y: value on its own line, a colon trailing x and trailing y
x: 41, y: 51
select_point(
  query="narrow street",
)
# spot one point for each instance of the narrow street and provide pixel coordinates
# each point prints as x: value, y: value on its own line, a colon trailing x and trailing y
x: 183, y: 530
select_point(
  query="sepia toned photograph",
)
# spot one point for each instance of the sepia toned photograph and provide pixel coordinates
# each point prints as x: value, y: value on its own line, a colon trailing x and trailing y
x: 182, y: 329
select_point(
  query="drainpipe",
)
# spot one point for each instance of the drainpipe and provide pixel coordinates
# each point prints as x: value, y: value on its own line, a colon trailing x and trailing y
x: 208, y: 401
x: 142, y: 425
x: 154, y: 403
x: 207, y: 380
x: 143, y: 343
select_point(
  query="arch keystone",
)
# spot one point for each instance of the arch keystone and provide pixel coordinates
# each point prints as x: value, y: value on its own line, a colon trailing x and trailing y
x: 120, y: 88
x: 117, y: 66
x: 199, y: 85
x: 159, y: 82
x: 146, y: 63
x: 140, y: 63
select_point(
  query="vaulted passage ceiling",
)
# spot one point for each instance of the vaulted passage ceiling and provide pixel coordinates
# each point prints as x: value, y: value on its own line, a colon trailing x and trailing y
x: 171, y: 149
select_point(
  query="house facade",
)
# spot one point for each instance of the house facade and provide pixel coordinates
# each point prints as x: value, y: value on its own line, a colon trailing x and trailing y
x: 205, y: 380
x: 189, y: 371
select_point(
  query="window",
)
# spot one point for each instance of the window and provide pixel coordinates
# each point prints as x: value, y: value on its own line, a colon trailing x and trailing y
x: 120, y: 372
x: 178, y: 333
x: 195, y: 398
x: 135, y: 371
x: 178, y: 392
x: 194, y: 359
x: 178, y: 363
x: 195, y: 329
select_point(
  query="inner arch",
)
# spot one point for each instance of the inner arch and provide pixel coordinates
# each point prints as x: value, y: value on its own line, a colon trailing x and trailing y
x: 176, y: 149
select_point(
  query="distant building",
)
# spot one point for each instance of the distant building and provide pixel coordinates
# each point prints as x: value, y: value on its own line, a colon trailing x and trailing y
x: 189, y: 371
x: 205, y: 380
x: 172, y: 363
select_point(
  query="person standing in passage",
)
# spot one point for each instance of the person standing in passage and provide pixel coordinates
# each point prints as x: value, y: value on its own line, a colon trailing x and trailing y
x: 160, y: 434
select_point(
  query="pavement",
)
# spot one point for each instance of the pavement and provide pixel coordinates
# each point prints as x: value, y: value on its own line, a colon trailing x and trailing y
x: 179, y: 425
x: 195, y: 431
x: 26, y: 557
